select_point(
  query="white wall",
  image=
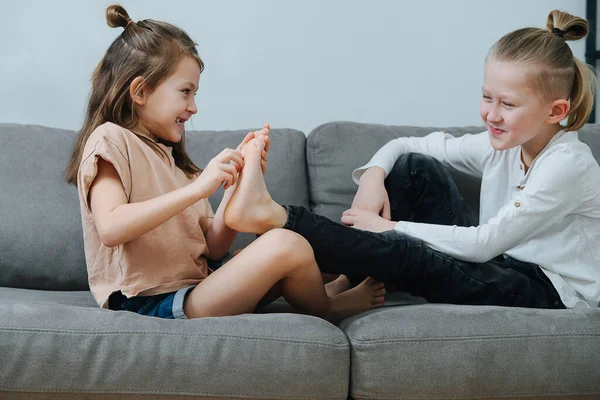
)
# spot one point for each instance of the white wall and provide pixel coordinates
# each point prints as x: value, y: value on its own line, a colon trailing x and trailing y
x: 294, y: 64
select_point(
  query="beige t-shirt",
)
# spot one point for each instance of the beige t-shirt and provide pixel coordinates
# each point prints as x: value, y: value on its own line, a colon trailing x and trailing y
x: 169, y: 257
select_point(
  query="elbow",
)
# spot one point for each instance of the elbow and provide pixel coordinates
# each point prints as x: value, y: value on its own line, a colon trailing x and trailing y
x: 108, y: 235
x: 480, y: 257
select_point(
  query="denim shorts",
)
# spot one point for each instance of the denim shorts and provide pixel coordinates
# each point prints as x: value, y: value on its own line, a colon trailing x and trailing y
x: 166, y: 305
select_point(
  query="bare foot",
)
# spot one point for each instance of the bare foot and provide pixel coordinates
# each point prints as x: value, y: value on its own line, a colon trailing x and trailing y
x: 337, y: 286
x: 368, y: 295
x: 251, y: 208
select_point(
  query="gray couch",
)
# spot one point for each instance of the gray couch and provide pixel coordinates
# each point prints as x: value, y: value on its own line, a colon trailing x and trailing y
x: 56, y: 343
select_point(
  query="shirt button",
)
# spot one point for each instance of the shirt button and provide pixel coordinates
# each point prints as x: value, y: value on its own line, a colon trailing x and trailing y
x: 517, y: 204
x: 521, y: 167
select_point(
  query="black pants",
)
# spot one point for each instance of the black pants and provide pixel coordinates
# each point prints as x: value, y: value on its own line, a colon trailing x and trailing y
x: 421, y: 190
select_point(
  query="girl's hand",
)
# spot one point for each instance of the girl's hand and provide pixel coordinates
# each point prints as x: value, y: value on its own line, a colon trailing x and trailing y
x: 223, y: 168
x: 266, y: 131
x: 371, y: 195
x: 366, y: 221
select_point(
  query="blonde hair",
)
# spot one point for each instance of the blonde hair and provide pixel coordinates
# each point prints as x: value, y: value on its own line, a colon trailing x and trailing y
x: 150, y: 49
x: 556, y: 72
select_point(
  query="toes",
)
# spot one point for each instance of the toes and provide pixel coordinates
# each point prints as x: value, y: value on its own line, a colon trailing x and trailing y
x: 369, y: 281
x: 378, y: 301
x: 378, y: 285
x: 380, y: 292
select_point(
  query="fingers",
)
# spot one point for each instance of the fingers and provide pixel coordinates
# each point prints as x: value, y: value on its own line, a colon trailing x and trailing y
x: 348, y: 217
x: 230, y: 175
x: 231, y: 155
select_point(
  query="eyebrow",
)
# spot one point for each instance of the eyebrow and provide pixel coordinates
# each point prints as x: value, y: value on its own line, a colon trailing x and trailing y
x: 191, y: 84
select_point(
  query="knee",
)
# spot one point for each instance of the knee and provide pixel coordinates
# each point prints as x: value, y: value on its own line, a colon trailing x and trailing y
x: 411, y: 164
x: 288, y: 245
x: 415, y: 161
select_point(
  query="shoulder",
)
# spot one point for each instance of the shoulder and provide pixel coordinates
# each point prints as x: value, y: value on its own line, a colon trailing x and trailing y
x: 112, y: 133
x: 109, y: 137
x: 568, y: 163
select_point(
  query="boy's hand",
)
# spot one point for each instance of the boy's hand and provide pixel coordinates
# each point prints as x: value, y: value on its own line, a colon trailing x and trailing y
x: 366, y: 221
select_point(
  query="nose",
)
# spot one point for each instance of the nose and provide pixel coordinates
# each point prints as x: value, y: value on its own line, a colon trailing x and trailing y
x: 493, y: 114
x: 192, y: 107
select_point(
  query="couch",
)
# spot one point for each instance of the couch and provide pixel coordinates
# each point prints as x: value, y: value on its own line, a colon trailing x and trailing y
x: 55, y: 342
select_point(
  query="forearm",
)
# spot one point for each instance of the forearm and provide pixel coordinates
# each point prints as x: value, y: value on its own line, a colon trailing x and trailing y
x: 375, y: 173
x: 129, y: 221
x: 220, y: 237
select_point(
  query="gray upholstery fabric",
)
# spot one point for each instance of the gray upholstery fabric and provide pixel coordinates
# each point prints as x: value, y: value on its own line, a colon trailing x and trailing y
x: 451, y: 352
x: 41, y: 242
x: 335, y: 149
x: 49, y: 345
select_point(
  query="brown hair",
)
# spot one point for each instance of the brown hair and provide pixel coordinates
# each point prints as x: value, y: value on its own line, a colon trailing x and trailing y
x: 148, y: 48
x: 556, y: 72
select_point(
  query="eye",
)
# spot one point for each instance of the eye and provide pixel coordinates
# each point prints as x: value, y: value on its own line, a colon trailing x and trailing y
x: 508, y: 104
x: 486, y: 97
x: 186, y: 91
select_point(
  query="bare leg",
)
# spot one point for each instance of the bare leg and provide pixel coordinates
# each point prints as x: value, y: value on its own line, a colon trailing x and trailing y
x: 283, y: 258
x: 335, y: 286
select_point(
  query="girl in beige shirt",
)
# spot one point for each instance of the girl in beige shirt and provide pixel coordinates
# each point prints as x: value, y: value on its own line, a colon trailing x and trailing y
x: 148, y: 226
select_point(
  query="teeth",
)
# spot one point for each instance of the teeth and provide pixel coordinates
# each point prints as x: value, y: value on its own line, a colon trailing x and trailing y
x: 178, y: 121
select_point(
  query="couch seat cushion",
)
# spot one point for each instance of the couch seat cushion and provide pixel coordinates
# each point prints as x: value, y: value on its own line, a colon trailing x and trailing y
x: 61, y: 342
x: 453, y: 352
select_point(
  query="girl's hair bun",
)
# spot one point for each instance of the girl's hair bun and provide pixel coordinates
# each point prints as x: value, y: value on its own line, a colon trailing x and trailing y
x: 574, y: 28
x: 116, y: 16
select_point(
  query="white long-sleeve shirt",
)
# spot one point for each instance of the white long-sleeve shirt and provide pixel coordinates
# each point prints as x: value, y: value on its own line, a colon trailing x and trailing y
x: 549, y: 216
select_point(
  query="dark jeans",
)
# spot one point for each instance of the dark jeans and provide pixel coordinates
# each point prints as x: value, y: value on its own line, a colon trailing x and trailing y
x: 421, y: 190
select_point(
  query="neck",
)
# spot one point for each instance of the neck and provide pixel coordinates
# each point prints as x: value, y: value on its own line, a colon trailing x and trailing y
x: 531, y: 149
x: 142, y: 131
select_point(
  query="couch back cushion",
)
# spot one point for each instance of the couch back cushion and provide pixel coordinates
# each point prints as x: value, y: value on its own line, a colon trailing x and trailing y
x: 41, y: 240
x: 335, y: 149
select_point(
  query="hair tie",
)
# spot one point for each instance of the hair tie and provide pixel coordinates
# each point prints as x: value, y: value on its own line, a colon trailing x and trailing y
x: 129, y: 21
x: 558, y: 32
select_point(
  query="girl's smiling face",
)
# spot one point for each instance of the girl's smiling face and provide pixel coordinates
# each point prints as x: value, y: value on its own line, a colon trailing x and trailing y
x: 512, y: 112
x: 164, y: 111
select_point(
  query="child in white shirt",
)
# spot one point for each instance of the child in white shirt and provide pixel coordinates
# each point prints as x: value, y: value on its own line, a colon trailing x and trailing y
x: 536, y: 241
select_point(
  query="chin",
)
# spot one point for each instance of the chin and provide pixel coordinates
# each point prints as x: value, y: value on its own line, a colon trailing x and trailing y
x: 497, y: 143
x: 175, y: 137
x: 501, y: 144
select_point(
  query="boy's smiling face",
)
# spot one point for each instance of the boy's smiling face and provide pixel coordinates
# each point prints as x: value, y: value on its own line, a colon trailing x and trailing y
x: 512, y: 112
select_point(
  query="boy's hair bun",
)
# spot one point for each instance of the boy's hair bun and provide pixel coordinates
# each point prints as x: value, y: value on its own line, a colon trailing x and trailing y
x: 574, y: 28
x: 117, y: 16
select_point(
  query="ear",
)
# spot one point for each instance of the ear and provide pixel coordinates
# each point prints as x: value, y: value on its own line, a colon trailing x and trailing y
x: 137, y: 91
x: 559, y: 111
